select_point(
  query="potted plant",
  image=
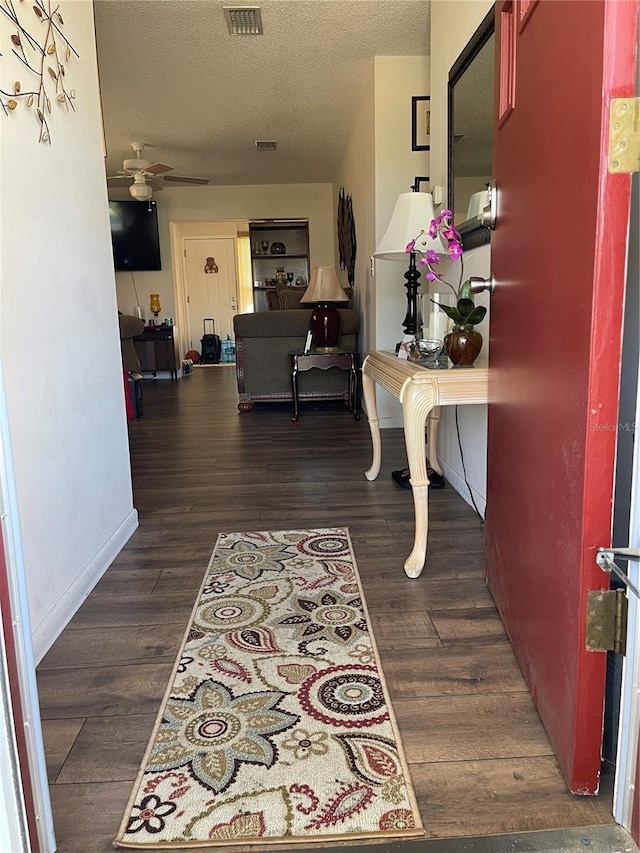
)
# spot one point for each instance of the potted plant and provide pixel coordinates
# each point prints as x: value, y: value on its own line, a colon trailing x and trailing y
x: 463, y: 343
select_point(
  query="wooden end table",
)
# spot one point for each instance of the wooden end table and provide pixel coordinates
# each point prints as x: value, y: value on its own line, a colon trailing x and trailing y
x: 301, y: 361
x: 156, y: 350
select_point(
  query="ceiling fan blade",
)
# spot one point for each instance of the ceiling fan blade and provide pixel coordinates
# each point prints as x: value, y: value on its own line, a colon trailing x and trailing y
x: 181, y: 179
x: 118, y: 177
x: 158, y: 168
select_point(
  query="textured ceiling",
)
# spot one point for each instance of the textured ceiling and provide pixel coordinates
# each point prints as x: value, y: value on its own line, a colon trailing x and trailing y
x: 172, y: 77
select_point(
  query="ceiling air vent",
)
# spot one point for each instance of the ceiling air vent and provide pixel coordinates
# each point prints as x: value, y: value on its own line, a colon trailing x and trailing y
x: 243, y: 20
x: 266, y: 145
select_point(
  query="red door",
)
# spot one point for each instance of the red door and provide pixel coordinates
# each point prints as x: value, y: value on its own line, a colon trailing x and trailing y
x: 558, y: 256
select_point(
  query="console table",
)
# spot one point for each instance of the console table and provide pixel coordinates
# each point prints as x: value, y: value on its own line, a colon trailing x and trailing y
x: 421, y: 391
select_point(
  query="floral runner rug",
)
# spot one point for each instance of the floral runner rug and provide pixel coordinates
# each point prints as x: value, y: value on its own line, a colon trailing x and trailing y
x: 276, y: 727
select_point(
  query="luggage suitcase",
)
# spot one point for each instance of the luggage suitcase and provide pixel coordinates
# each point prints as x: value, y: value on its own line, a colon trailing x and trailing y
x: 211, y: 344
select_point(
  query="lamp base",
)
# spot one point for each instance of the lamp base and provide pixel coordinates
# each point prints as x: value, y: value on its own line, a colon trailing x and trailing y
x: 412, y: 275
x: 325, y: 327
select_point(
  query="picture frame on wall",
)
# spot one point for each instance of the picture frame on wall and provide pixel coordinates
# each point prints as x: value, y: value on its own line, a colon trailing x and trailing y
x: 421, y: 123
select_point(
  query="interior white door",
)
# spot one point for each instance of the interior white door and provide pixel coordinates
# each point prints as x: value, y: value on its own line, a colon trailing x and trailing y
x: 211, y: 285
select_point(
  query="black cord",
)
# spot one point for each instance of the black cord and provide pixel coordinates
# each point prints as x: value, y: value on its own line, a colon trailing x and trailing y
x: 464, y: 470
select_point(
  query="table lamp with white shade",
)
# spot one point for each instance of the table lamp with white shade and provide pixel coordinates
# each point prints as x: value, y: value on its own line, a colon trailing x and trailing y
x: 324, y: 289
x: 411, y: 215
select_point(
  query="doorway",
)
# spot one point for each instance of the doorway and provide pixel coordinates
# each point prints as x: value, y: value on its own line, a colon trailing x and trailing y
x: 192, y: 243
x: 210, y: 286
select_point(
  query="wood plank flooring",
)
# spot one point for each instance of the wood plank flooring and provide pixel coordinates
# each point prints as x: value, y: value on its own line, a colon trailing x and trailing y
x: 479, y: 757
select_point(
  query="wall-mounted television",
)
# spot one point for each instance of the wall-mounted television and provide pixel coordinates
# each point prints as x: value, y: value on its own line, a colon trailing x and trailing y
x: 134, y: 235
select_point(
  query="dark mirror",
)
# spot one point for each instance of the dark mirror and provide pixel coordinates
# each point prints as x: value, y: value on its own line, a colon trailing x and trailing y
x: 471, y: 86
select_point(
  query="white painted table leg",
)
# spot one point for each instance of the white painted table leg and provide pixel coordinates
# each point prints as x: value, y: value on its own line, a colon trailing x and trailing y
x: 369, y: 394
x: 432, y: 439
x: 416, y: 406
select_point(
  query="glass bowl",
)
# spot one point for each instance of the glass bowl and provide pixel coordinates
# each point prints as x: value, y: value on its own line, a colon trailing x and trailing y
x: 424, y: 350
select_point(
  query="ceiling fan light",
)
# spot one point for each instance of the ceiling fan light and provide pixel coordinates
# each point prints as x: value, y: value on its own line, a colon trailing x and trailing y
x: 140, y: 191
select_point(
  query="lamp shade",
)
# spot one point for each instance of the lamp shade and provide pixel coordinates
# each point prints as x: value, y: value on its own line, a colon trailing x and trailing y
x: 324, y: 287
x: 477, y: 203
x: 411, y: 215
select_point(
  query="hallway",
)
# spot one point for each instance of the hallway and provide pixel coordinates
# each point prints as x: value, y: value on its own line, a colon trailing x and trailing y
x: 479, y: 758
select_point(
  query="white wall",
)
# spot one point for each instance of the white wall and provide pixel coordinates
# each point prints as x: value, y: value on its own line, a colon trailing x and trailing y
x: 452, y: 25
x: 377, y: 166
x: 185, y: 204
x: 59, y: 342
x: 357, y: 175
x: 397, y: 79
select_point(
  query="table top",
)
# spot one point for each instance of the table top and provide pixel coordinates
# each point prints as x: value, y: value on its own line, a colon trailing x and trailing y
x: 160, y: 329
x: 451, y: 385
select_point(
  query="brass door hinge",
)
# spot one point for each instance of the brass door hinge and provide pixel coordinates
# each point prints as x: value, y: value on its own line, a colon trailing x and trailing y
x: 624, y: 135
x: 606, y: 629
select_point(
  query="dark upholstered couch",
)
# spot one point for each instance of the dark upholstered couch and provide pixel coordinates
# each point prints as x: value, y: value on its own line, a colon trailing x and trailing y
x: 130, y: 327
x: 263, y: 365
x: 283, y: 298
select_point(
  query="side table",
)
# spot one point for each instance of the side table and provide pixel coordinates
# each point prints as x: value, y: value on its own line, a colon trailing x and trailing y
x: 301, y: 361
x: 156, y: 350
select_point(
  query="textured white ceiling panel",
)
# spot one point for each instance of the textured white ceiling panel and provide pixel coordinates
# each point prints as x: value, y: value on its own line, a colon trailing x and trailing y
x: 174, y: 78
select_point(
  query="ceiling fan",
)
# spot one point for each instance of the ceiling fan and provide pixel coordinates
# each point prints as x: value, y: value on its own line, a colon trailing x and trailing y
x: 147, y: 175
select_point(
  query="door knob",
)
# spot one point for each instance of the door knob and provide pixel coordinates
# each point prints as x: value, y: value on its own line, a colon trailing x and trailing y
x: 479, y: 284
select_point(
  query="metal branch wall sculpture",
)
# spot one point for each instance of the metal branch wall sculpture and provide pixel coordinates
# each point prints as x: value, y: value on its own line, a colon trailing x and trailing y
x: 346, y: 236
x: 42, y: 48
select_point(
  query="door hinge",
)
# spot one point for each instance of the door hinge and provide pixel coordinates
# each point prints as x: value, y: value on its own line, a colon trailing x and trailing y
x: 624, y: 135
x: 606, y: 629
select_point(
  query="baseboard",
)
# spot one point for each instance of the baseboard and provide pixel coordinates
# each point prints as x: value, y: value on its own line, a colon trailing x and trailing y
x: 456, y: 480
x: 48, y: 631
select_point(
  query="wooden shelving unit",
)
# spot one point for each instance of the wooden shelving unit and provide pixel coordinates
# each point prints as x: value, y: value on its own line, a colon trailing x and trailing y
x: 293, y: 234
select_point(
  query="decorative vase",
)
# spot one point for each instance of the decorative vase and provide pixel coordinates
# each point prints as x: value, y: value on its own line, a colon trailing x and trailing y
x: 463, y: 345
x: 154, y: 306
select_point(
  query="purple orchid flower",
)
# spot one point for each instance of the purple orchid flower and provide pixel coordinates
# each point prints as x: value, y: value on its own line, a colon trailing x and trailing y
x: 455, y: 250
x: 441, y: 226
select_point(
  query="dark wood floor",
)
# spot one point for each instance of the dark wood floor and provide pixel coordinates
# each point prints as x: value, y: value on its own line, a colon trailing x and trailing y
x: 479, y: 757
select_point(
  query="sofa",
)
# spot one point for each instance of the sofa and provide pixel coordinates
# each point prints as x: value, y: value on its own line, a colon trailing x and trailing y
x: 130, y: 327
x: 264, y: 341
x: 284, y: 298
